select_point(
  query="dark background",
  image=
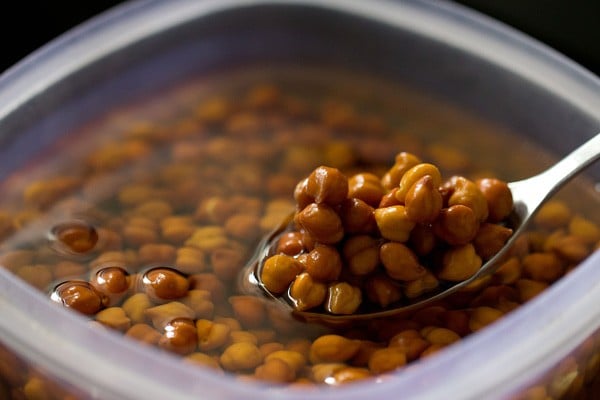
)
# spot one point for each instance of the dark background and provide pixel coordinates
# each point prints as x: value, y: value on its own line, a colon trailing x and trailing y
x: 570, y: 26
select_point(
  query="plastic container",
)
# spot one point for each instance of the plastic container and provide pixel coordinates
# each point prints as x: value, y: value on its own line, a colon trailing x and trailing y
x: 441, y: 48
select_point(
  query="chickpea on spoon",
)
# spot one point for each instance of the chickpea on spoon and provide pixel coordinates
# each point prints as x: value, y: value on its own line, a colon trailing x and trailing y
x: 364, y: 247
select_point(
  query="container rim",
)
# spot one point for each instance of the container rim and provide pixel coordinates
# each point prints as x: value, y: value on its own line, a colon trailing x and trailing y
x: 121, y: 371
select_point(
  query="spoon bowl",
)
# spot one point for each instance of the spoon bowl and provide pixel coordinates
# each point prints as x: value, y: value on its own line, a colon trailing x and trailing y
x: 528, y: 195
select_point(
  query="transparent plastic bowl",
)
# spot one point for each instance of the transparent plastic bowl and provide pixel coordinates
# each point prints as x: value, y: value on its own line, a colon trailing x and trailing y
x: 441, y: 48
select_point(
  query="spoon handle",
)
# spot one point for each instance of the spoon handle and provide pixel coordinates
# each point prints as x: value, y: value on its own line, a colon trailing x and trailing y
x: 531, y: 192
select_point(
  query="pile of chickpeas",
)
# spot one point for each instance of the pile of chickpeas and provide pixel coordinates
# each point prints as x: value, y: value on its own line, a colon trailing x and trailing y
x: 366, y: 235
x: 146, y: 234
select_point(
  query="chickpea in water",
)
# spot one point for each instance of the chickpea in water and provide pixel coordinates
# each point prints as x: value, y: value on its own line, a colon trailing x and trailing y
x: 374, y: 224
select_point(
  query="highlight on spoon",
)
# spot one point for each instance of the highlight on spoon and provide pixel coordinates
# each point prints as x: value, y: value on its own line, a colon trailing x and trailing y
x: 367, y: 245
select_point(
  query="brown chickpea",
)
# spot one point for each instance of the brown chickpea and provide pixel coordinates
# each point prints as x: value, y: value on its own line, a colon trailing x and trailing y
x: 424, y: 284
x: 422, y: 240
x: 179, y: 337
x: 343, y: 298
x: 387, y: 359
x: 327, y: 185
x: 112, y: 283
x: 382, y: 291
x: 366, y: 187
x: 333, y: 348
x: 543, y: 267
x: 498, y: 196
x: 249, y: 310
x: 413, y: 175
x: 290, y: 243
x: 361, y: 254
x: 553, y: 214
x: 211, y: 335
x: 157, y: 253
x: 162, y: 284
x: 410, y: 342
x: 278, y: 272
x: 393, y: 223
x: 482, y: 317
x: 323, y: 263
x: 404, y: 161
x: 321, y: 222
x: 76, y: 237
x: 456, y: 225
x: 275, y: 370
x: 357, y: 216
x: 465, y: 192
x: 306, y: 293
x: 241, y: 356
x: 78, y: 295
x: 301, y: 196
x: 143, y: 333
x: 226, y: 263
x: 423, y: 201
x: 490, y: 239
x: 460, y: 263
x: 400, y: 262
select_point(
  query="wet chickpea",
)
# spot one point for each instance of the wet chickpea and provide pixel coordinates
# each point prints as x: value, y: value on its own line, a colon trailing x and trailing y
x: 423, y: 201
x: 393, y: 223
x: 279, y: 271
x: 163, y: 314
x: 327, y: 186
x: 404, y: 161
x: 366, y: 187
x: 79, y: 296
x: 275, y: 370
x: 306, y: 293
x: 343, y: 298
x: 357, y: 216
x: 544, y: 267
x: 388, y: 359
x: 413, y: 175
x: 456, y: 225
x: 400, y: 262
x: 211, y: 335
x: 321, y: 222
x: 467, y: 193
x: 490, y: 239
x: 498, y: 196
x: 165, y: 284
x: 482, y: 317
x: 77, y: 237
x: 323, y: 263
x: 290, y: 243
x: 553, y: 214
x: 411, y: 343
x: 382, y: 291
x: 460, y: 263
x: 179, y: 337
x: 112, y: 282
x: 241, y: 356
x: 361, y: 254
x: 249, y: 310
x: 114, y: 318
x: 333, y: 348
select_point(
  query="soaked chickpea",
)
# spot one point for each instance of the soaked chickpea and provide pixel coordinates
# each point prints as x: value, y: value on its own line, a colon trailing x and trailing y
x: 79, y: 296
x: 156, y: 256
x: 165, y: 284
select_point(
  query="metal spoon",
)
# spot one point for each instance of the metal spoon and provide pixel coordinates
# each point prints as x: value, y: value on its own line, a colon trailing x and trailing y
x: 528, y: 196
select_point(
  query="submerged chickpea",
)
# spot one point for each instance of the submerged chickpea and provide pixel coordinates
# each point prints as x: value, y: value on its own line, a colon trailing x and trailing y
x: 78, y: 295
x: 163, y: 284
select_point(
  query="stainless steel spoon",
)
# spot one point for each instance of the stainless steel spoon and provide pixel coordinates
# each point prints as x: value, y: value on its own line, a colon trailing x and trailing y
x: 528, y: 196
